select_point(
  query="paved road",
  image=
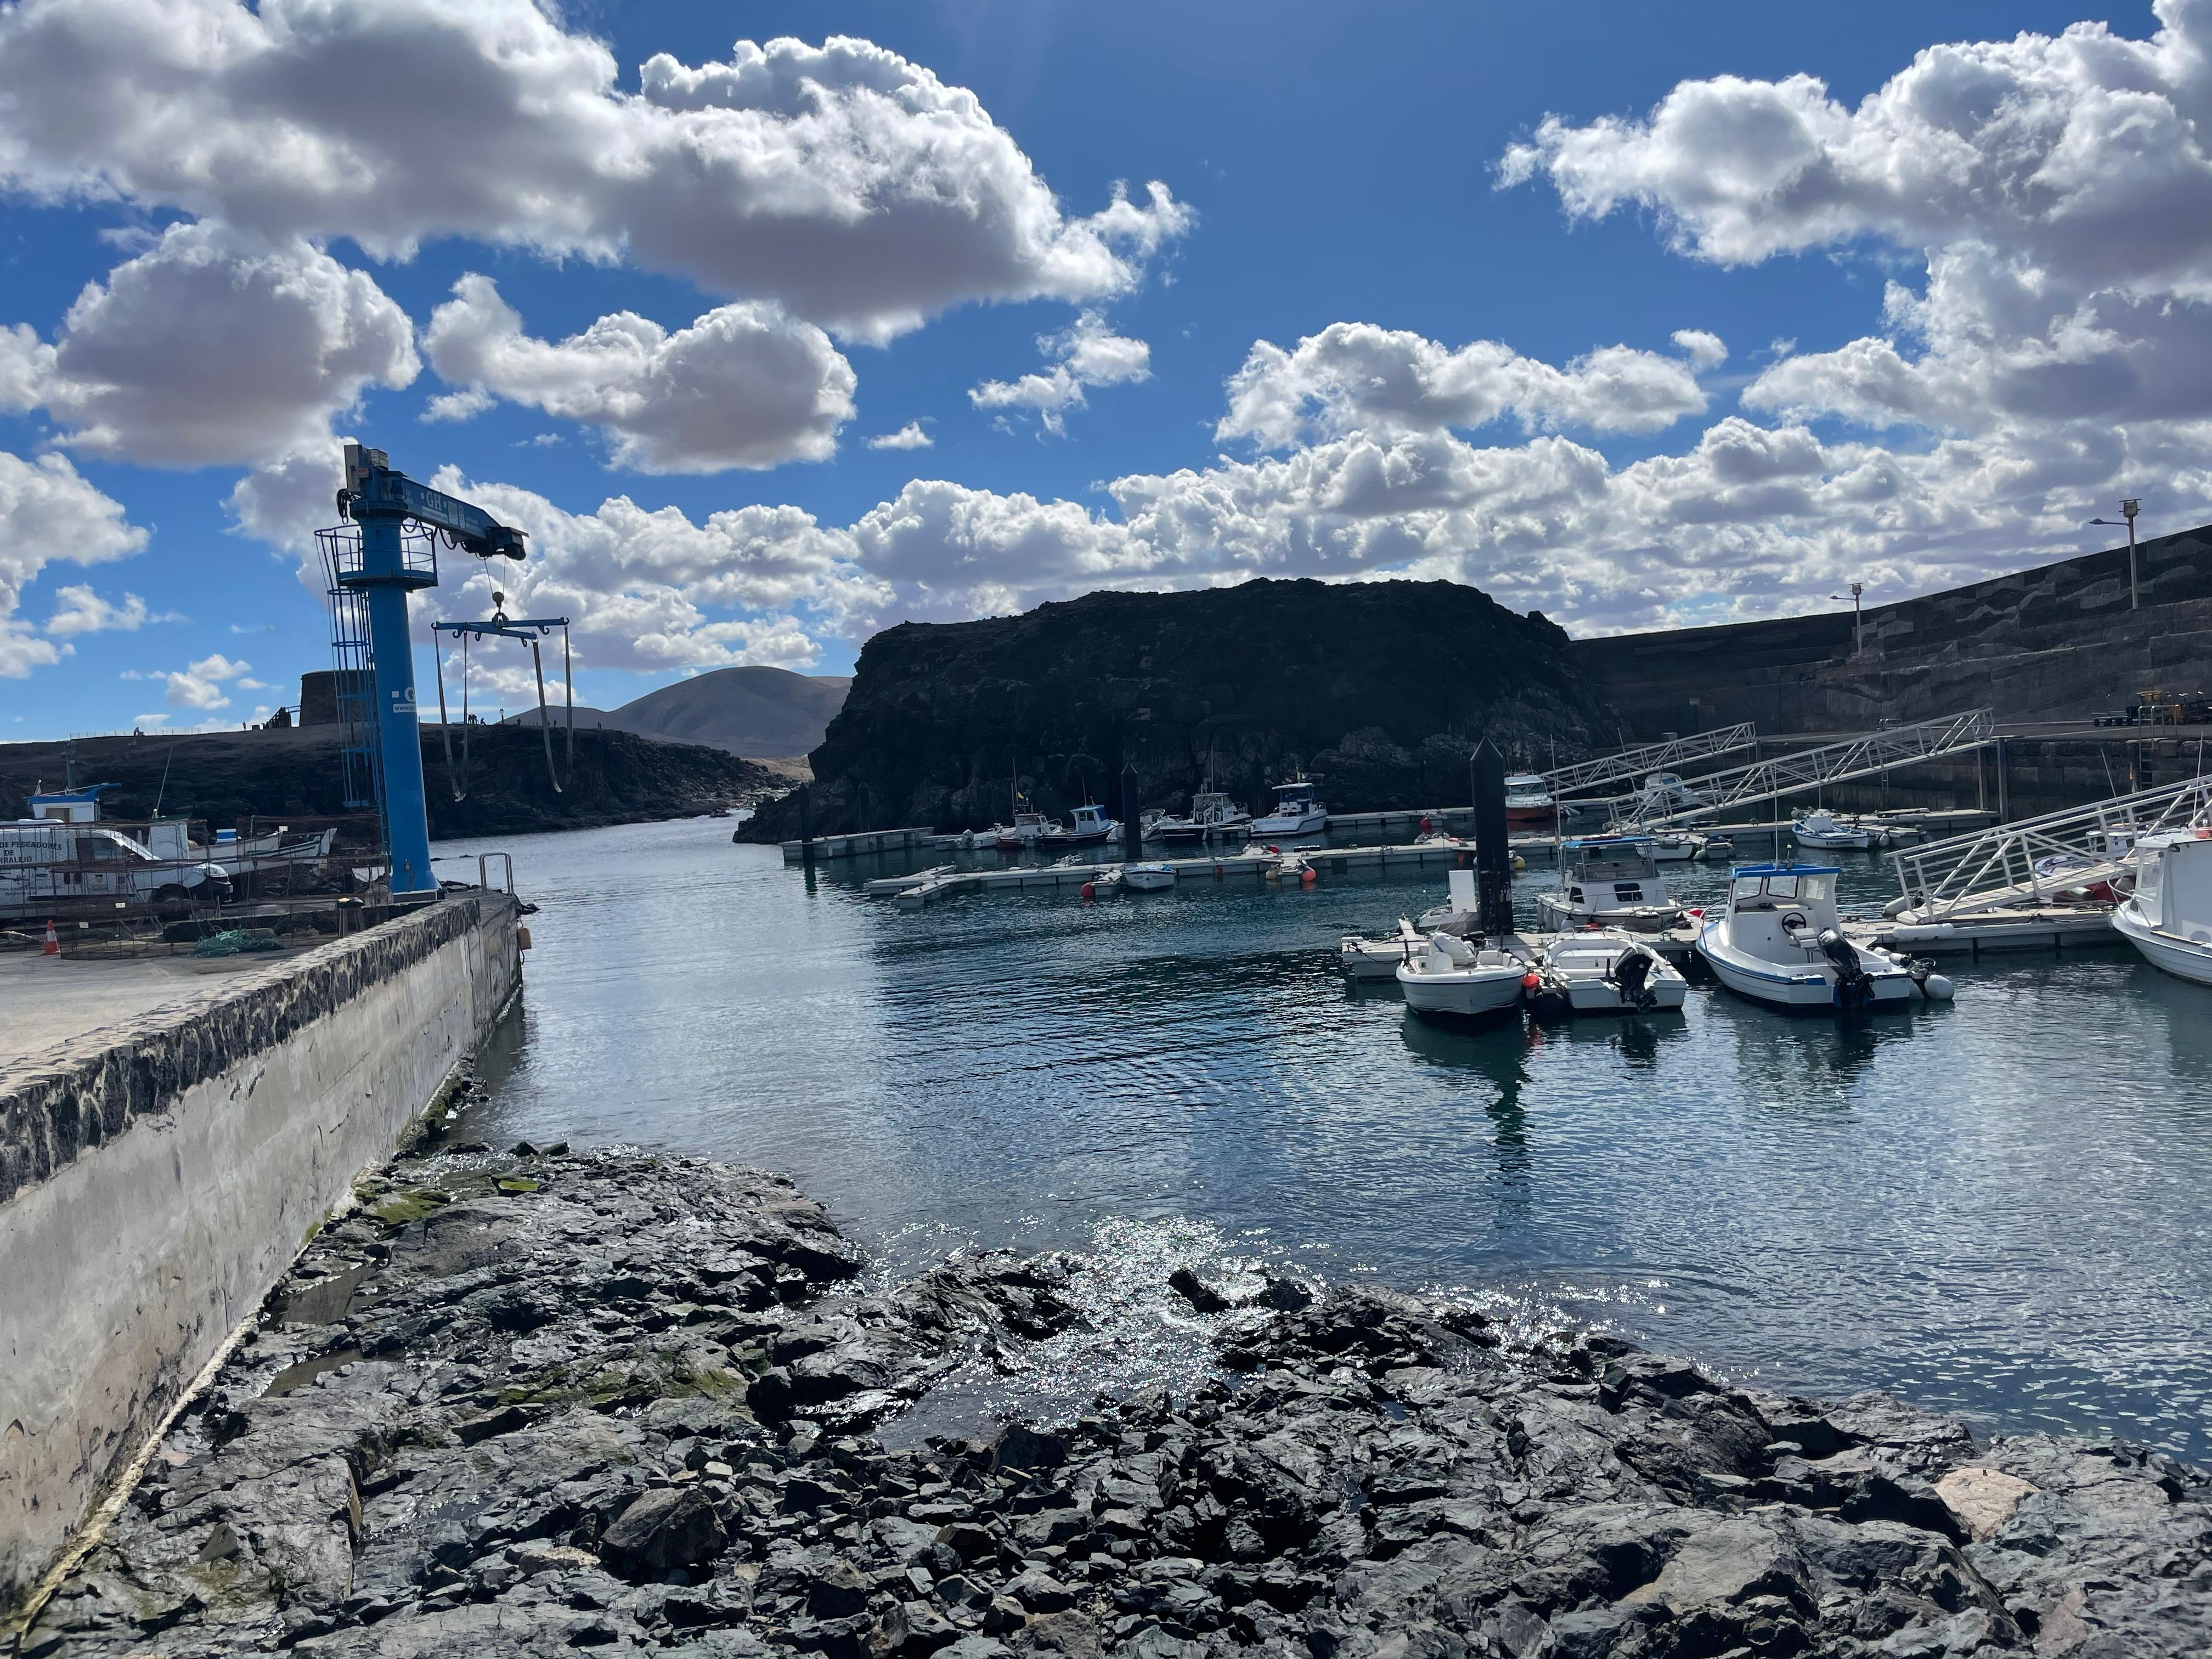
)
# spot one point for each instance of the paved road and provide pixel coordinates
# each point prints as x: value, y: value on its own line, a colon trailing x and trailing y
x: 44, y: 1000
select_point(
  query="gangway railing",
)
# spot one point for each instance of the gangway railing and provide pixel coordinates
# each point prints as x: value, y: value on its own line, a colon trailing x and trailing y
x: 2033, y: 860
x: 1651, y: 757
x: 1793, y: 773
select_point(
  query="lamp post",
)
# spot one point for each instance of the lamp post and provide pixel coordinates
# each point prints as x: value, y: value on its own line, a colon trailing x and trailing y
x: 2129, y: 508
x: 1858, y: 620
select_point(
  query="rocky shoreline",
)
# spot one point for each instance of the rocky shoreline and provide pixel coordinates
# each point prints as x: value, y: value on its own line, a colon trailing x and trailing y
x: 536, y: 1402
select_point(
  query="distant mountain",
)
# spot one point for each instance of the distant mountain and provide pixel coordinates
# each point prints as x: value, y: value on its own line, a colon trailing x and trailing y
x: 763, y: 714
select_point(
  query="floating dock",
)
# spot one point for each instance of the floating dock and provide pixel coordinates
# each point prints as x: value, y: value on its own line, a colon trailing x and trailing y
x: 861, y: 844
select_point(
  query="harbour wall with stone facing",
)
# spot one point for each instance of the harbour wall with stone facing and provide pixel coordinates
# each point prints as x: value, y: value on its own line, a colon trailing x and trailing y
x: 159, y: 1174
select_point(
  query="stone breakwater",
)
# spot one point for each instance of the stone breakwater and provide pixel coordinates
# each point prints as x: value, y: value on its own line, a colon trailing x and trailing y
x: 532, y: 1403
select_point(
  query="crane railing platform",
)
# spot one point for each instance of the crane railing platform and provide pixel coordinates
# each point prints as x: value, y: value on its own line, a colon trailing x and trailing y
x: 2035, y: 861
x: 1792, y: 774
x: 1650, y: 757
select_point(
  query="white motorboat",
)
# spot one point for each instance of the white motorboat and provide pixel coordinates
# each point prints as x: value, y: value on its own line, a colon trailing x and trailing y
x: 1825, y: 831
x: 1463, y: 977
x: 1104, y: 883
x: 1717, y: 849
x: 1027, y: 832
x: 1668, y: 789
x: 1296, y: 812
x: 1213, y: 817
x: 1676, y: 848
x: 2169, y: 916
x: 1087, y: 825
x: 1290, y: 868
x: 1529, y: 800
x: 1607, y: 881
x: 1148, y: 878
x: 1456, y: 914
x: 1606, y: 973
x: 1780, y: 942
x: 1378, y: 958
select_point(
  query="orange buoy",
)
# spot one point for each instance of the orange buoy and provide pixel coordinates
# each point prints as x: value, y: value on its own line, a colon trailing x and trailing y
x: 53, y: 946
x: 1530, y: 981
x: 1089, y: 890
x: 1425, y: 826
x: 1306, y: 877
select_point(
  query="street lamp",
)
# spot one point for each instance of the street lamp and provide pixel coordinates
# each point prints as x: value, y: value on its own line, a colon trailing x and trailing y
x: 2130, y: 507
x: 1858, y: 620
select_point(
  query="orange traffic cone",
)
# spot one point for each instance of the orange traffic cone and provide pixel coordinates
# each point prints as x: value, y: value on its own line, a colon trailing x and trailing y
x: 54, y: 941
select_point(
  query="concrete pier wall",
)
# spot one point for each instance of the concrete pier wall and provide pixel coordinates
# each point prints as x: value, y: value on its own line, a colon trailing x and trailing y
x: 157, y: 1176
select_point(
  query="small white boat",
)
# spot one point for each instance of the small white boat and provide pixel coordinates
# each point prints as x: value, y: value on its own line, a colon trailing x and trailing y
x: 1463, y: 977
x: 1607, y: 881
x: 1296, y: 812
x: 1148, y: 878
x: 1529, y: 800
x: 1027, y: 832
x: 1668, y: 789
x: 1780, y: 942
x: 1213, y: 817
x: 1104, y: 883
x: 1378, y: 958
x: 1087, y: 825
x: 1824, y: 830
x: 1456, y: 914
x: 1606, y: 972
x: 1676, y: 848
x: 2169, y: 916
x: 1290, y: 868
x: 1717, y: 849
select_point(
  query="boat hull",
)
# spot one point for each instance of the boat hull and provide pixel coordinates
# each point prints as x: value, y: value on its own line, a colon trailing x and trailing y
x: 1370, y: 958
x: 1466, y: 995
x: 2183, y: 958
x: 1781, y: 987
x: 1290, y: 823
x: 1147, y: 880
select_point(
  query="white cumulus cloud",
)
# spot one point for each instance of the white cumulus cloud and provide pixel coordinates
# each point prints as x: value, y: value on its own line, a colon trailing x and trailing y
x: 83, y: 611
x: 49, y: 511
x: 1089, y: 354
x: 909, y: 437
x: 211, y: 347
x: 1355, y: 376
x: 847, y: 182
x: 744, y: 386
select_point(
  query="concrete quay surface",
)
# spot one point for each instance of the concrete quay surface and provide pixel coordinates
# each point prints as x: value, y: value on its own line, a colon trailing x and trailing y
x: 161, y: 1170
x: 49, y: 1000
x: 525, y: 1404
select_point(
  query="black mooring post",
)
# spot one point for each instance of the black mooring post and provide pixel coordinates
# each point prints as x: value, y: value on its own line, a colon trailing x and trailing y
x: 1493, y: 857
x: 806, y: 824
x: 1133, y: 831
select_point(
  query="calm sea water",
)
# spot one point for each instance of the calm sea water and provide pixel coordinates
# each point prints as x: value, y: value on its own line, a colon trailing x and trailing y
x: 2002, y: 1207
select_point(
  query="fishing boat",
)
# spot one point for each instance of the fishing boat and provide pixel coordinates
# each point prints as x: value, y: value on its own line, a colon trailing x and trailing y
x: 1668, y: 789
x: 1148, y: 878
x: 1378, y: 958
x: 1029, y: 831
x: 2169, y: 917
x: 1296, y: 812
x: 1823, y: 831
x: 1780, y: 942
x: 1676, y: 848
x: 1087, y: 825
x: 1529, y: 799
x: 1213, y: 817
x: 1607, y: 972
x: 1463, y: 978
x: 1608, y: 881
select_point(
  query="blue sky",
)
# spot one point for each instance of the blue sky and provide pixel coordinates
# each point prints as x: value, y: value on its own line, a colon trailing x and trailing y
x: 1824, y: 367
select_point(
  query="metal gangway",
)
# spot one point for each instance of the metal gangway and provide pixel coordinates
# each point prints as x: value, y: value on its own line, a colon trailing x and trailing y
x: 2034, y: 860
x: 1651, y: 757
x: 1793, y: 773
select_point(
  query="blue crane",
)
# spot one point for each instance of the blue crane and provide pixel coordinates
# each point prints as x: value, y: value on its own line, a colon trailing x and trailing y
x: 388, y: 551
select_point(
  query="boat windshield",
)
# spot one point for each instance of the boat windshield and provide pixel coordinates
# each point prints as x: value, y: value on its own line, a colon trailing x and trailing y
x: 1766, y: 892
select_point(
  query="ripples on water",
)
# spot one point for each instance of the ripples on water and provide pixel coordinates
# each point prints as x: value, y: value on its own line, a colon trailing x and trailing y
x: 2000, y: 1207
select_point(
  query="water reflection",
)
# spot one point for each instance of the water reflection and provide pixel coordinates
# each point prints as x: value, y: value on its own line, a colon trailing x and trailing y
x: 1997, y: 1208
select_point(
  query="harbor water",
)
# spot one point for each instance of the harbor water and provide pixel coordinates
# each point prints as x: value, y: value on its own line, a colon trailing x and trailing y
x: 2002, y: 1207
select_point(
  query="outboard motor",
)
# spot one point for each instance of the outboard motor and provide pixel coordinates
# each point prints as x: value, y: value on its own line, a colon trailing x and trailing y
x: 1854, y: 989
x: 1632, y: 975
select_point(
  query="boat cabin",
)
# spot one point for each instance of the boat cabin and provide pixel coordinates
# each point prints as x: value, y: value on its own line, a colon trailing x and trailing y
x: 1088, y: 820
x: 2173, y: 883
x: 1612, y: 872
x: 1776, y: 911
x: 68, y: 806
x: 1293, y: 798
x: 1530, y: 786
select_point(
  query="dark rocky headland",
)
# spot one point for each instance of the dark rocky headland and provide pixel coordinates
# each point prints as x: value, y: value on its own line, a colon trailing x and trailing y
x: 297, y: 777
x: 1380, y: 688
x: 541, y: 1402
